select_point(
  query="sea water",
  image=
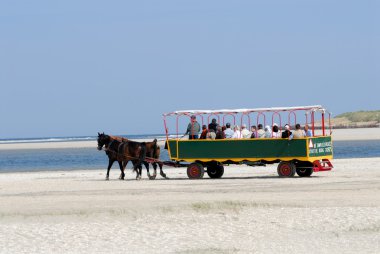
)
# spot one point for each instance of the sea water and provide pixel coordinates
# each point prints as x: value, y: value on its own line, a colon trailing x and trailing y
x: 90, y: 158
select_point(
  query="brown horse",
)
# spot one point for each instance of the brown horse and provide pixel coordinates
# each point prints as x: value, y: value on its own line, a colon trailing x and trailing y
x: 152, y: 151
x: 122, y: 152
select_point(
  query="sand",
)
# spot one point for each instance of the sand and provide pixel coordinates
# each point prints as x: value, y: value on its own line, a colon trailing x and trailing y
x: 249, y: 210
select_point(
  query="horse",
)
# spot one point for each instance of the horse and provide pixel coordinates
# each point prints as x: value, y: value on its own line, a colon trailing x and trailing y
x: 152, y: 151
x: 122, y: 152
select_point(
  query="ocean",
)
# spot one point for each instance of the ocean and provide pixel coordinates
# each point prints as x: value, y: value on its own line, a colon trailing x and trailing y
x: 29, y: 160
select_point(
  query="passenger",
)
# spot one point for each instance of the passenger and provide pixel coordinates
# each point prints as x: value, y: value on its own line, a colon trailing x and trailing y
x: 244, y: 132
x: 268, y: 133
x: 275, y: 133
x: 308, y: 132
x: 298, y: 133
x: 253, y: 131
x: 287, y: 133
x: 237, y: 133
x: 228, y: 132
x: 211, y: 134
x: 193, y: 128
x: 219, y: 133
x: 213, y: 125
x: 204, y: 132
x: 260, y: 131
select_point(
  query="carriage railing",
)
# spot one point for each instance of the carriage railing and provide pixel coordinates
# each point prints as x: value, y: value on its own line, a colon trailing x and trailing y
x: 260, y: 113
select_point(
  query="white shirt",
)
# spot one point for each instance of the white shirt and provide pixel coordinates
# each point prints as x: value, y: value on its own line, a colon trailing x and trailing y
x: 245, y: 133
x: 261, y: 133
x: 237, y: 134
x: 228, y: 132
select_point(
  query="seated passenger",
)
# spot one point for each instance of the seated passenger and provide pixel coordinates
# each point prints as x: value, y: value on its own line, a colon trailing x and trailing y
x: 228, y: 132
x: 204, y: 132
x: 244, y: 132
x: 287, y: 133
x: 298, y: 133
x: 211, y: 134
x: 275, y: 133
x: 237, y: 133
x: 219, y: 133
x: 268, y: 133
x: 260, y: 131
x: 253, y: 131
x: 213, y: 125
x: 308, y: 132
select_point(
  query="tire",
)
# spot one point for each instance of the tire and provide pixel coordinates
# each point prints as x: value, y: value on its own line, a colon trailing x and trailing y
x: 304, y: 172
x: 286, y: 169
x: 195, y: 171
x: 215, y: 170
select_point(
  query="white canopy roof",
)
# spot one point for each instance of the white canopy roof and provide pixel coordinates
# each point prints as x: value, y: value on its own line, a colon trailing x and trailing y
x: 236, y: 111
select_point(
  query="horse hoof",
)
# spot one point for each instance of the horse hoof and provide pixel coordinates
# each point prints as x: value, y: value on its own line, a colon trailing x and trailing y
x: 152, y: 177
x: 107, y: 179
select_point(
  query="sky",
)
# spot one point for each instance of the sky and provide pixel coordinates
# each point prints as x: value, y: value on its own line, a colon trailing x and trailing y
x: 75, y: 68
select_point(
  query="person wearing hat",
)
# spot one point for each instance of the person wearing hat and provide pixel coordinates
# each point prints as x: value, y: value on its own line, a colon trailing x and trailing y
x: 287, y: 133
x: 193, y: 128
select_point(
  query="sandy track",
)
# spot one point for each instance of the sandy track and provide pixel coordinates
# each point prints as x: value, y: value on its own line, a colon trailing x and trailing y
x: 249, y: 210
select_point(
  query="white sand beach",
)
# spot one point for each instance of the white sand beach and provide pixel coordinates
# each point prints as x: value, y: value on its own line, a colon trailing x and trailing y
x: 249, y: 210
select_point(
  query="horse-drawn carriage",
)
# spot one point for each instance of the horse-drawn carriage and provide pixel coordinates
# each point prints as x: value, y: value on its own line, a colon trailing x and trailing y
x: 302, y: 155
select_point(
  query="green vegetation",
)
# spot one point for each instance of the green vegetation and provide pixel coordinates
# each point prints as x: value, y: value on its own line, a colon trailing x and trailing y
x: 361, y: 116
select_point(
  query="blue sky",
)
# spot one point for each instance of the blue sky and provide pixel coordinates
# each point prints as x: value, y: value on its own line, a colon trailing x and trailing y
x: 79, y: 67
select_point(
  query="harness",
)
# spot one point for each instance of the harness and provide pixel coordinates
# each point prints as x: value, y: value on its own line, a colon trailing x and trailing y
x: 118, y: 153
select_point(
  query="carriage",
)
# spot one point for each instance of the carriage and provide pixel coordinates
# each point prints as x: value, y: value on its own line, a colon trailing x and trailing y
x: 302, y: 155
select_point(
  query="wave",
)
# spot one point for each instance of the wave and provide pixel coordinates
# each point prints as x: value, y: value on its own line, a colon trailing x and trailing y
x: 45, y: 140
x: 76, y: 138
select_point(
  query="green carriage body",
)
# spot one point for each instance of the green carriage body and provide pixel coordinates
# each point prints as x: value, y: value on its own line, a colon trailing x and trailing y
x: 296, y: 155
x: 240, y: 150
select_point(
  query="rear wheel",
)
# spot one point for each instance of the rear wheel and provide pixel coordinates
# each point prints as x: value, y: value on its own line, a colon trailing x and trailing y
x: 286, y: 169
x: 304, y: 172
x: 195, y: 171
x: 304, y: 168
x: 215, y: 170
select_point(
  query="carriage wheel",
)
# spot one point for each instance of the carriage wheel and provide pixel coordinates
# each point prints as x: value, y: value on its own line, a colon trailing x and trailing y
x: 286, y: 169
x: 215, y: 170
x: 195, y: 171
x: 304, y: 172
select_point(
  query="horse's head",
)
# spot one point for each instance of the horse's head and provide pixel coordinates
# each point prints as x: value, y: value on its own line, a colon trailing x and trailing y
x: 103, y: 139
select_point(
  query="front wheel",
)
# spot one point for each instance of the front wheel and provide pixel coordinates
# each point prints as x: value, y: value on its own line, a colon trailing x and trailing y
x: 286, y: 169
x: 215, y: 170
x: 195, y: 171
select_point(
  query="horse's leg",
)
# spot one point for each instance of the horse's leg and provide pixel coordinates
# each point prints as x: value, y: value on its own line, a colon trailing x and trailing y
x: 140, y: 170
x: 110, y: 162
x: 161, y: 171
x: 147, y: 169
x: 122, y: 166
x: 135, y: 169
x: 154, y: 164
